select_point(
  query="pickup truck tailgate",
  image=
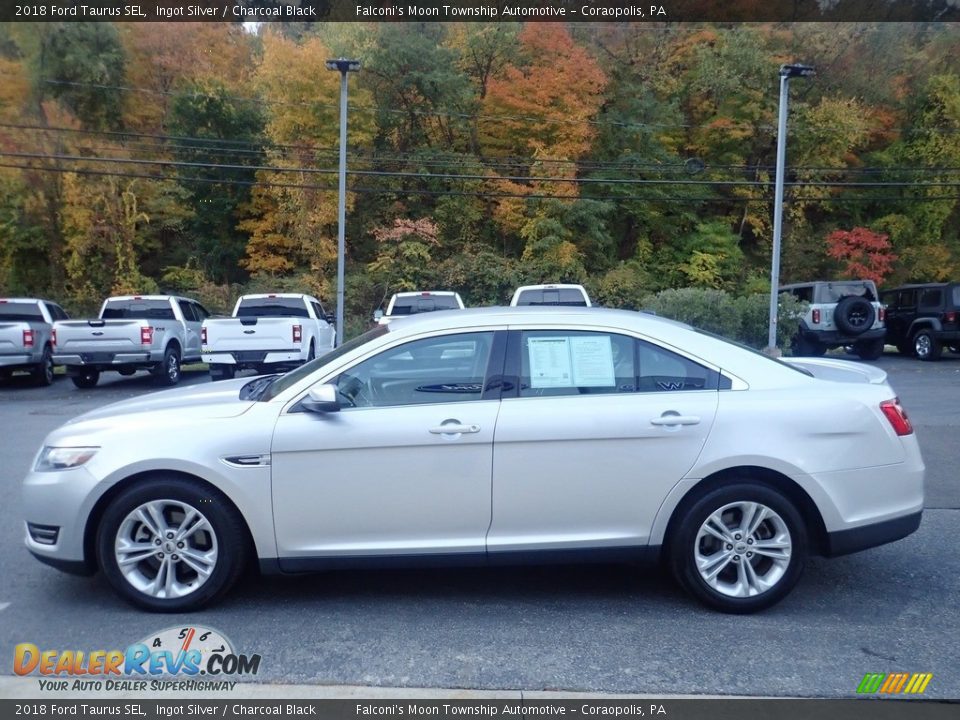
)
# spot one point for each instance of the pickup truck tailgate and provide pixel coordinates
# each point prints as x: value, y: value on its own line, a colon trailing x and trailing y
x: 229, y: 334
x: 11, y: 338
x: 99, y: 336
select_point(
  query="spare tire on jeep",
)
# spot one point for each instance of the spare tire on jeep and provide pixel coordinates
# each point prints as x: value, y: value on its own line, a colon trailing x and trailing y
x: 854, y: 315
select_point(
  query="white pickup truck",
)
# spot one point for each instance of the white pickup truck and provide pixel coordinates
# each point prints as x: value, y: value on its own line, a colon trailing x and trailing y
x: 133, y: 332
x: 421, y: 301
x: 268, y: 332
x: 26, y: 337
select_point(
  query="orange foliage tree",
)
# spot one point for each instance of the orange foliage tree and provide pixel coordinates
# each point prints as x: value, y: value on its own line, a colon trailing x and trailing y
x: 865, y: 254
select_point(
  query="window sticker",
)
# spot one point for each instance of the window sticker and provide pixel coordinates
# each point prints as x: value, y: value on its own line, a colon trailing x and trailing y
x: 592, y: 361
x: 549, y: 362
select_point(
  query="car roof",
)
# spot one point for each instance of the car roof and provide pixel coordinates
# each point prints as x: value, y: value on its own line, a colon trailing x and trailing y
x: 914, y: 286
x: 551, y: 314
x: 424, y: 293
x: 261, y: 296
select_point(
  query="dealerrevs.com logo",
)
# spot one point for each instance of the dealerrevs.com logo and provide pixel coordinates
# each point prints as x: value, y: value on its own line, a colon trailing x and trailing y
x: 183, y: 652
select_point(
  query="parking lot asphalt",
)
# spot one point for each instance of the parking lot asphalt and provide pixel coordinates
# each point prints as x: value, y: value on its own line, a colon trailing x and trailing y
x: 609, y: 629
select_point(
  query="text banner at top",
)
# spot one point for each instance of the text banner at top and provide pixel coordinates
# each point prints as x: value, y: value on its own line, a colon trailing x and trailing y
x: 480, y: 11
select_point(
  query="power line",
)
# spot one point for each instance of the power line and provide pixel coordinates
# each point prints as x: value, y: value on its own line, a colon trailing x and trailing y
x: 464, y: 193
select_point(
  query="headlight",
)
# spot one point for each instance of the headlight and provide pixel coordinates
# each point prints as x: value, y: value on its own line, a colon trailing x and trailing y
x: 63, y: 458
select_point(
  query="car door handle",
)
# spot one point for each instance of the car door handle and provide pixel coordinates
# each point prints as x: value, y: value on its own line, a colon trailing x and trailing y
x: 671, y: 420
x: 454, y: 429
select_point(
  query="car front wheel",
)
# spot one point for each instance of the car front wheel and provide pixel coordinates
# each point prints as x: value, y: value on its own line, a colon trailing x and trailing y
x: 740, y: 548
x: 171, y: 545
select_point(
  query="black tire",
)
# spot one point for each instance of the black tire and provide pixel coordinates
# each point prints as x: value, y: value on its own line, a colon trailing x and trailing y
x: 127, y: 371
x: 168, y: 372
x: 312, y: 353
x: 43, y: 373
x: 86, y: 379
x: 686, y: 542
x: 926, y: 346
x: 227, y: 537
x: 5, y: 375
x: 803, y: 347
x: 222, y: 371
x: 854, y: 315
x: 905, y: 347
x: 869, y: 349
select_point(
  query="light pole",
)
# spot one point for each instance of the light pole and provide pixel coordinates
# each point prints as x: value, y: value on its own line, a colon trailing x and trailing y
x: 786, y: 72
x: 343, y: 66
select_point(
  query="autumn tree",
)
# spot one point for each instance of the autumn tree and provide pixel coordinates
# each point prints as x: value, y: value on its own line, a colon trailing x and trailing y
x: 863, y: 254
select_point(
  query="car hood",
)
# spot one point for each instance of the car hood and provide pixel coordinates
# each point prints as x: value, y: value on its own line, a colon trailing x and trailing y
x: 847, y: 371
x: 206, y: 400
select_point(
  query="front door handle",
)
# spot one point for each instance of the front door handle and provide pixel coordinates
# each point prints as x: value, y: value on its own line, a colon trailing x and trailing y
x: 673, y: 420
x: 454, y: 428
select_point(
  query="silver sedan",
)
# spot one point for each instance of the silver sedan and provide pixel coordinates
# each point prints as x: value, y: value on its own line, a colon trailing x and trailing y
x: 487, y: 436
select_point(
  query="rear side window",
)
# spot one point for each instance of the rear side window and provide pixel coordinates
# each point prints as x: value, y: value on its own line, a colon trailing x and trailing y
x: 272, y: 307
x: 931, y: 298
x: 56, y: 312
x: 189, y: 314
x: 569, y: 297
x: 424, y: 303
x: 586, y: 363
x: 804, y: 294
x: 138, y: 310
x: 20, y: 312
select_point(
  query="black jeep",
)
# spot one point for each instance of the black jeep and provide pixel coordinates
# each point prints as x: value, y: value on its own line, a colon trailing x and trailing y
x: 923, y: 319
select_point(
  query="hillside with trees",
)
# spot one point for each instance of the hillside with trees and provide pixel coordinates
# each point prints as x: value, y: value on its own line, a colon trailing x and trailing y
x: 202, y: 158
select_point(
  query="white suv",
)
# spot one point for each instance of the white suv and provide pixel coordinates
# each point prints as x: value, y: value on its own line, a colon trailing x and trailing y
x: 840, y: 313
x: 569, y: 295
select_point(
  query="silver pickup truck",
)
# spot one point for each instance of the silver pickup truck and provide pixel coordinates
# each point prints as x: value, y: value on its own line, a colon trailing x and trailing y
x: 26, y: 337
x: 133, y: 332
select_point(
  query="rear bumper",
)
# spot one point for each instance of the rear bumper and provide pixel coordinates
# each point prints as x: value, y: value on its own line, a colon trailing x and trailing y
x: 254, y: 358
x: 15, y: 361
x: 835, y: 337
x: 844, y: 542
x: 105, y: 360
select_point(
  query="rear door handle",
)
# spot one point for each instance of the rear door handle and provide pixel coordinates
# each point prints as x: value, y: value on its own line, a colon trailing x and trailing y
x: 672, y: 420
x: 455, y: 429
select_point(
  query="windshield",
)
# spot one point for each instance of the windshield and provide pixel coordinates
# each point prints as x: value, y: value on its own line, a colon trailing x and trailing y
x: 414, y: 305
x: 137, y: 310
x: 294, y: 376
x: 272, y: 307
x: 834, y: 292
x: 20, y: 311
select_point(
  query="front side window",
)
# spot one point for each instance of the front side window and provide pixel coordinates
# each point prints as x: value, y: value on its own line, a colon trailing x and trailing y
x: 448, y: 368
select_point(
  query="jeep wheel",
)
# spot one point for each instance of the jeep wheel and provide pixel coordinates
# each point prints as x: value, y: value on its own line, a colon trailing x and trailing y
x: 869, y: 349
x: 805, y: 347
x: 854, y: 315
x: 926, y: 345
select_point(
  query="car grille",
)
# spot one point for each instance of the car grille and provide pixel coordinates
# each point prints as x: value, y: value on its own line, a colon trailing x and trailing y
x: 43, y: 534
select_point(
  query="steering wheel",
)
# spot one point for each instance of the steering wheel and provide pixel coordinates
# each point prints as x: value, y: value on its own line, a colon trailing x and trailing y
x: 355, y: 391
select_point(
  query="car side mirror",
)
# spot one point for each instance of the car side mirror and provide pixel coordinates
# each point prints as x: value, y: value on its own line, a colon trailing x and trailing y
x: 321, y: 399
x: 377, y: 315
x: 330, y: 318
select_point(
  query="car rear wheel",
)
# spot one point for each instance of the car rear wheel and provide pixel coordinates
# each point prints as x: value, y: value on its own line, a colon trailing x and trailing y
x: 43, y: 373
x: 168, y: 373
x: 222, y: 371
x: 86, y: 379
x: 926, y: 346
x: 740, y: 548
x: 171, y: 545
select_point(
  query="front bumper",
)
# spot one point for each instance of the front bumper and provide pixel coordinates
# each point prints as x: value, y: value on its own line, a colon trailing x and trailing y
x: 61, y: 500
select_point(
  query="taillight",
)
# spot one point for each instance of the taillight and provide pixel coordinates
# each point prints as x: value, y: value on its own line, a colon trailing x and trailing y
x: 297, y: 333
x: 146, y: 336
x: 816, y: 317
x: 28, y: 338
x: 897, y: 416
x: 53, y: 337
x: 882, y: 314
x: 203, y: 336
x: 950, y: 317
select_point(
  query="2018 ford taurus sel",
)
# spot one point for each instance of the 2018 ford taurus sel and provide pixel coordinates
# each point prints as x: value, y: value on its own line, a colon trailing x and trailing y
x: 487, y: 436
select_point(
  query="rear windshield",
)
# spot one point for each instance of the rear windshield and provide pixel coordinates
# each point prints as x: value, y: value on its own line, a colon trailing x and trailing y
x: 833, y: 292
x: 138, y: 310
x: 414, y: 305
x: 272, y: 307
x: 20, y: 312
x: 560, y: 296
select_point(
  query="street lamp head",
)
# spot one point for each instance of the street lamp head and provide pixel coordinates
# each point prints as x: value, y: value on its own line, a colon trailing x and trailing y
x: 343, y: 65
x: 797, y: 70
